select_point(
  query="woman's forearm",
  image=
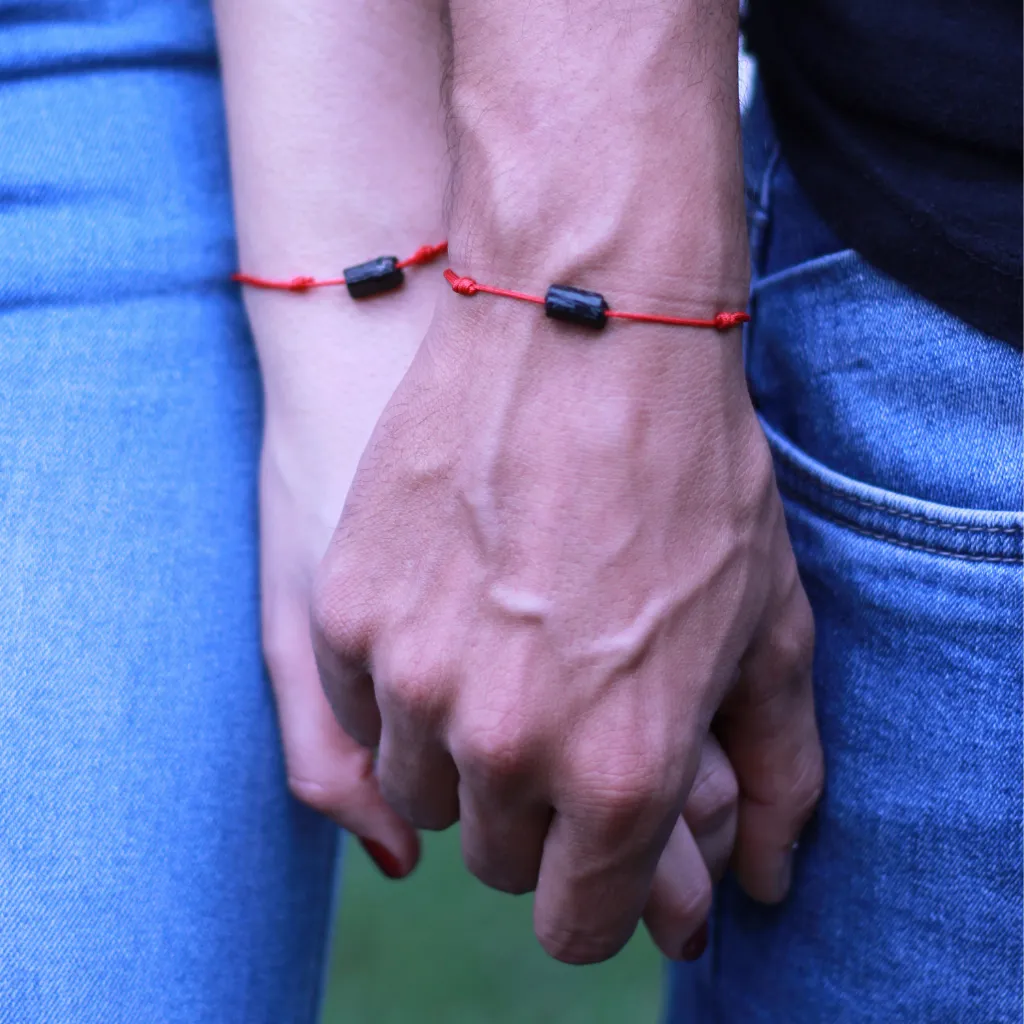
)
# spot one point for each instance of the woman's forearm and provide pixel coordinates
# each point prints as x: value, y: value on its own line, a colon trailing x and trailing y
x: 338, y: 155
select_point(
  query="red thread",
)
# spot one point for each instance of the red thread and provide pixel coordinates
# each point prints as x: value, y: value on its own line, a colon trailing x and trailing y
x: 424, y: 254
x: 467, y: 286
x: 720, y: 322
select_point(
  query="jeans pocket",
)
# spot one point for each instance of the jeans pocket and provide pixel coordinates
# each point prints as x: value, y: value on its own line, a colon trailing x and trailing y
x: 897, y: 519
x: 876, y: 383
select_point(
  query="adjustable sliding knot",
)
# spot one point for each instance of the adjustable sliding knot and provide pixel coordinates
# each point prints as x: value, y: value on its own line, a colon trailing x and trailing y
x: 460, y: 285
x: 725, y: 321
x: 300, y: 284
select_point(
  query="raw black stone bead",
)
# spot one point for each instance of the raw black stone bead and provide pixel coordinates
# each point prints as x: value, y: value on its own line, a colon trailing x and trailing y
x: 373, y: 277
x: 576, y: 306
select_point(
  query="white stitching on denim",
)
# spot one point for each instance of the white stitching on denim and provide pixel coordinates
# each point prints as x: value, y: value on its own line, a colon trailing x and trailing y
x: 1011, y: 531
x: 1001, y: 559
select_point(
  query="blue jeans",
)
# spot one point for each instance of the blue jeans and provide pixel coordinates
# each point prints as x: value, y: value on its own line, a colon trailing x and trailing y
x: 897, y: 436
x: 153, y: 867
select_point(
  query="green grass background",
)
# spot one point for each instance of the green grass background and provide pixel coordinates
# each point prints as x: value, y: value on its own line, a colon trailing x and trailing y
x: 440, y: 948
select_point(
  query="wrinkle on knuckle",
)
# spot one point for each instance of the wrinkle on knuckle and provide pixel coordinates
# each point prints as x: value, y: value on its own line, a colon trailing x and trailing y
x: 493, y: 753
x: 622, y: 805
x: 416, y: 685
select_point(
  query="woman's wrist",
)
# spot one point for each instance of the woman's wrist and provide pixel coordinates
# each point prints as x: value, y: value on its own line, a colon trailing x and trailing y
x: 323, y: 354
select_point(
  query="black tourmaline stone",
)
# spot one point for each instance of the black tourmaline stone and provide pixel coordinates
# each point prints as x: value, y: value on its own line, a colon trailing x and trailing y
x: 576, y: 306
x: 379, y: 275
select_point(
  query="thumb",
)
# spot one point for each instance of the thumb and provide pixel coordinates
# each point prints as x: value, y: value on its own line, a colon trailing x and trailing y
x: 326, y: 768
x: 768, y: 729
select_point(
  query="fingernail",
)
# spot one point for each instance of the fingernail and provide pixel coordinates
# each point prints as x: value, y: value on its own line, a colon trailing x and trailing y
x: 383, y: 858
x: 696, y: 944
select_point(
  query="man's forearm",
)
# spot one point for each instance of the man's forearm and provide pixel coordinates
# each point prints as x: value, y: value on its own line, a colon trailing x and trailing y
x: 599, y: 140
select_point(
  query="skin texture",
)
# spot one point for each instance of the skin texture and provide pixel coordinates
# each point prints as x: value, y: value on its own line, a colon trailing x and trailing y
x: 296, y: 82
x: 300, y: 126
x: 562, y: 572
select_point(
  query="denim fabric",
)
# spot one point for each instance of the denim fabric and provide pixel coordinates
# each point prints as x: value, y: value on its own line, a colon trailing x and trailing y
x: 153, y: 867
x: 897, y: 436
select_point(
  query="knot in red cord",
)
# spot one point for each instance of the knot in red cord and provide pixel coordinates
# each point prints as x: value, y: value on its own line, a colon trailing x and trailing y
x: 723, y: 321
x: 425, y: 253
x: 460, y: 285
x: 300, y: 284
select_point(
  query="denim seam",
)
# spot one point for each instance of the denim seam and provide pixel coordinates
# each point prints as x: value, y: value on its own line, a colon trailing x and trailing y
x: 1011, y: 531
x: 837, y: 520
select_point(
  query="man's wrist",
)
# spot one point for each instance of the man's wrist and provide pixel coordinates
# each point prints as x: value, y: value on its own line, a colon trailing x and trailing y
x: 599, y: 150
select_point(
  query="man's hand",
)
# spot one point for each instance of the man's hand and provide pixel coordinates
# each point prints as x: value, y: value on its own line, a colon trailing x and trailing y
x: 563, y: 561
x: 561, y: 557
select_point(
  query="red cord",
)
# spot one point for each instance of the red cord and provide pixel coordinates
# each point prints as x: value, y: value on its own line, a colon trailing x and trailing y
x: 721, y: 321
x: 424, y: 254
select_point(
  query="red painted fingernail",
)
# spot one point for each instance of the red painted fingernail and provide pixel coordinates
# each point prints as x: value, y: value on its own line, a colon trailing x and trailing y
x: 383, y: 858
x: 696, y: 944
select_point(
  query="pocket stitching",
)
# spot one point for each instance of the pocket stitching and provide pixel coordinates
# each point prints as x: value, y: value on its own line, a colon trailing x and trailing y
x: 898, y: 542
x: 1010, y: 531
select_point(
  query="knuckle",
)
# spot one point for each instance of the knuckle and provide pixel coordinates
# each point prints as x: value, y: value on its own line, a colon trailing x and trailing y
x: 622, y: 803
x: 329, y: 790
x: 311, y: 792
x: 335, y: 621
x: 493, y: 754
x: 412, y: 681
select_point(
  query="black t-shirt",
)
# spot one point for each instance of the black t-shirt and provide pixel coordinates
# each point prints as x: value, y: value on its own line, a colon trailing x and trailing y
x: 901, y: 120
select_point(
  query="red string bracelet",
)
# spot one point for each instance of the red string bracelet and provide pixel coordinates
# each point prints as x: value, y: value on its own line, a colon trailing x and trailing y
x: 577, y: 306
x: 363, y: 280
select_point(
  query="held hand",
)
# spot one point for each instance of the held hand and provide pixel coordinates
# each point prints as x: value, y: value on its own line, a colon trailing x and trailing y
x: 299, y: 500
x: 563, y: 555
x: 319, y: 415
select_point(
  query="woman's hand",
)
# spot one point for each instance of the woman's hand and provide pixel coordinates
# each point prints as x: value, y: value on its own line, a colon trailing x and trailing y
x: 316, y: 427
x: 305, y: 470
x: 324, y: 179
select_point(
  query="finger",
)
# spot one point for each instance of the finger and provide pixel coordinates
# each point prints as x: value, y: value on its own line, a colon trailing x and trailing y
x: 768, y: 729
x: 711, y: 809
x: 327, y: 769
x: 341, y: 646
x: 599, y: 858
x: 417, y: 775
x: 503, y: 823
x: 680, y: 899
x: 502, y: 846
x: 416, y: 772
